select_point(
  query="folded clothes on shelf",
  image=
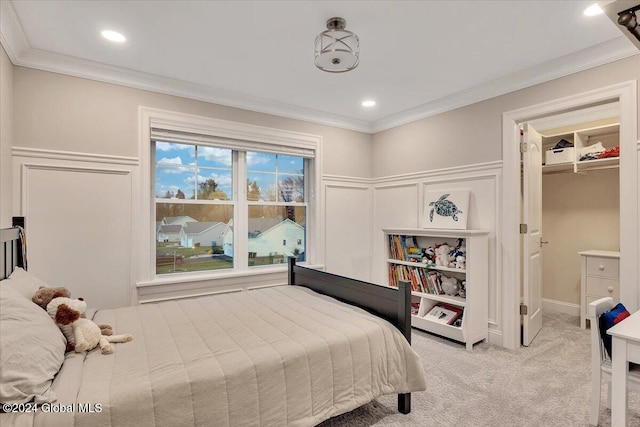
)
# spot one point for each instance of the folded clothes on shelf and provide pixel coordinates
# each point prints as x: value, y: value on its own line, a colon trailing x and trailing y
x: 563, y: 143
x: 612, y: 152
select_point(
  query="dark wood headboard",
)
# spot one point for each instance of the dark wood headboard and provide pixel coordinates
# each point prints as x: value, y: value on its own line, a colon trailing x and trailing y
x: 10, y: 251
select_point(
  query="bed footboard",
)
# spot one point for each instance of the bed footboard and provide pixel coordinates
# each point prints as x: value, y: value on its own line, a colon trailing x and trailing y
x: 393, y: 305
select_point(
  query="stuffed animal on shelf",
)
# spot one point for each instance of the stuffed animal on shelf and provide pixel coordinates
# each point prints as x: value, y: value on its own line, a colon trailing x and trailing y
x: 429, y: 255
x: 461, y: 261
x: 81, y: 333
x: 449, y: 285
x: 442, y: 255
x: 44, y: 295
x: 459, y: 251
x: 462, y: 292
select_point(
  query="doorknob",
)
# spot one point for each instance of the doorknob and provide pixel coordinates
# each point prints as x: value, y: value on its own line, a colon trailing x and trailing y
x: 543, y: 242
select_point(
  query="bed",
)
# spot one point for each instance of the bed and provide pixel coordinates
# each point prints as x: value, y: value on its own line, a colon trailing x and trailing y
x: 286, y: 355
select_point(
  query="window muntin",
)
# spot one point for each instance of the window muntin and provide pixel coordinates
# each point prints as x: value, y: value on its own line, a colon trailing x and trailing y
x: 193, y: 237
x: 194, y: 194
x: 193, y: 189
x: 186, y: 171
x: 275, y: 233
x: 277, y: 208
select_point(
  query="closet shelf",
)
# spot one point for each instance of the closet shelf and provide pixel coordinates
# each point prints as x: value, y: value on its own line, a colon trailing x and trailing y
x: 587, y: 165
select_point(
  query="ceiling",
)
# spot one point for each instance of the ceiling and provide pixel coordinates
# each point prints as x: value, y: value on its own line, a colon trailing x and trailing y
x: 417, y: 58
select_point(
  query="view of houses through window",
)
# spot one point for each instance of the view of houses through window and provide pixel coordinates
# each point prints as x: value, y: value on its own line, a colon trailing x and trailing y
x: 195, y: 207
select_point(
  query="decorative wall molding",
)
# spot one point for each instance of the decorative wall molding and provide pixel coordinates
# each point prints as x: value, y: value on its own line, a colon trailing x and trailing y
x: 458, y: 176
x: 444, y: 172
x: 347, y: 219
x: 609, y: 51
x: 117, y: 181
x: 16, y: 45
x: 346, y: 179
x: 73, y: 156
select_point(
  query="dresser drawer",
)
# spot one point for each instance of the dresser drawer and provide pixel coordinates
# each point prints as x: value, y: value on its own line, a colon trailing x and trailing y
x: 601, y: 287
x: 605, y: 267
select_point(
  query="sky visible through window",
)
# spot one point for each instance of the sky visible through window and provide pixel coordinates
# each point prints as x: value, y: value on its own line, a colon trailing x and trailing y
x: 177, y: 168
x: 184, y: 167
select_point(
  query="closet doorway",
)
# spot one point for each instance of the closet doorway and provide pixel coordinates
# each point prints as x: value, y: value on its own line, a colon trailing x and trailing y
x: 571, y: 205
x: 510, y: 215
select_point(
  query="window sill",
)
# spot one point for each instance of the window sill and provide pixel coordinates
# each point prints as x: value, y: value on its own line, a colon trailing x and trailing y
x: 212, y: 277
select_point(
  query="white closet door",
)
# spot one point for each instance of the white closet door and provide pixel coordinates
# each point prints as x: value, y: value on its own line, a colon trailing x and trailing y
x: 532, y: 247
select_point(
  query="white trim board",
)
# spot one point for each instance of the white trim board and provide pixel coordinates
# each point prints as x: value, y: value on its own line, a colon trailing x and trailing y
x: 16, y: 44
x: 561, y: 307
x: 144, y: 205
x: 626, y: 93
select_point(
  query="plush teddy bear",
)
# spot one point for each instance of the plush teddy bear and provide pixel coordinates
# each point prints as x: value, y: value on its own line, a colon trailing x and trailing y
x: 44, y: 295
x: 442, y: 255
x: 461, y: 261
x: 82, y: 333
x: 449, y: 285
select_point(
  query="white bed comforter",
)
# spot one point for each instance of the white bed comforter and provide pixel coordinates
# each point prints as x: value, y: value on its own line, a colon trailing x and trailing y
x: 271, y: 357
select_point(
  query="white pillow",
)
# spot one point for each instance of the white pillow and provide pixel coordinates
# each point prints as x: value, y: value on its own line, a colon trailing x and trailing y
x: 32, y: 349
x: 24, y: 282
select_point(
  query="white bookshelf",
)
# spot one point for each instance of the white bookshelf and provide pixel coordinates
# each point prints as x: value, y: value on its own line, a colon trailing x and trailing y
x: 474, y: 325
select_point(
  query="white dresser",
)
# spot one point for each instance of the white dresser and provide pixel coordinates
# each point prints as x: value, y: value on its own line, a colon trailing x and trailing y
x: 600, y: 278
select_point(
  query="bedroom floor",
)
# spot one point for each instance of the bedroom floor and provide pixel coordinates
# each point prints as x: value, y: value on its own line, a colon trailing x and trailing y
x: 546, y: 384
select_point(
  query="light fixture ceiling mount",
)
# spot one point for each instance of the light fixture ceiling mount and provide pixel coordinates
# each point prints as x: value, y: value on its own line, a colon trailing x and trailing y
x: 337, y: 50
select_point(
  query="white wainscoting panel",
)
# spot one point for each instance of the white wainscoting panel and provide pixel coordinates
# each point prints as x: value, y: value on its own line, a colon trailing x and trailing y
x: 394, y: 206
x: 399, y: 203
x: 78, y: 222
x: 348, y: 219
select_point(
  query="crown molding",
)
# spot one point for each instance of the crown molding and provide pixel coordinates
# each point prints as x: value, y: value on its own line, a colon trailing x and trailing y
x: 603, y: 53
x: 17, y: 46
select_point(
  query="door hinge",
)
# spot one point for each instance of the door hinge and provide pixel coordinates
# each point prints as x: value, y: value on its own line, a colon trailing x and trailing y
x: 523, y: 228
x: 523, y: 310
x: 523, y: 147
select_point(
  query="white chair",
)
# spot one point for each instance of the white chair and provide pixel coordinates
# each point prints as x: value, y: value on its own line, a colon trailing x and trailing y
x: 600, y: 361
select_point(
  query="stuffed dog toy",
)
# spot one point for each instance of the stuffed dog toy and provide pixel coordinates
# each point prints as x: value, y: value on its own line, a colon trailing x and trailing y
x: 81, y: 333
x: 44, y: 295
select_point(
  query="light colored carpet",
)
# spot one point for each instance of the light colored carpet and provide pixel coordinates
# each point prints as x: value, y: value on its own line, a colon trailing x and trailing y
x: 545, y: 384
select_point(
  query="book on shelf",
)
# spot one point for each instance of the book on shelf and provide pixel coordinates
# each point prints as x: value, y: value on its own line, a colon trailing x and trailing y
x: 444, y: 313
x: 404, y: 248
x: 415, y: 308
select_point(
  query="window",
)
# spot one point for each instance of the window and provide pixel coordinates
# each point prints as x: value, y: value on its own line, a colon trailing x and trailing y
x: 224, y: 196
x: 195, y: 207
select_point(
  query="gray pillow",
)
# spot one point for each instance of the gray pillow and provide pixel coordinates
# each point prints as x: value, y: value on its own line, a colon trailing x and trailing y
x: 24, y: 282
x: 32, y: 349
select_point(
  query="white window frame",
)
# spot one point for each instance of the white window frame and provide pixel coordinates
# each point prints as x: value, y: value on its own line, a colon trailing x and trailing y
x: 254, y: 138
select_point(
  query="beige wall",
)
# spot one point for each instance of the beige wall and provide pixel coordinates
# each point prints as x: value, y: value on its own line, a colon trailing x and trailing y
x: 6, y: 137
x: 579, y: 213
x: 58, y: 112
x: 473, y: 134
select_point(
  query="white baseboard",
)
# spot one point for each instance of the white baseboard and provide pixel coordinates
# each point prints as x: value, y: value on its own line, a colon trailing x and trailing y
x: 561, y: 307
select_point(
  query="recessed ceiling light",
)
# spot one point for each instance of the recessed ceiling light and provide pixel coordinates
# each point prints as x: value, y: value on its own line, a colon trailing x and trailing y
x: 114, y: 36
x: 593, y: 10
x: 368, y: 103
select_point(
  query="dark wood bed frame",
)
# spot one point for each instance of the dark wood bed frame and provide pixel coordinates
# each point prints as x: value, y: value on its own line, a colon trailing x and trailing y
x: 388, y: 303
x: 393, y: 305
x: 10, y: 251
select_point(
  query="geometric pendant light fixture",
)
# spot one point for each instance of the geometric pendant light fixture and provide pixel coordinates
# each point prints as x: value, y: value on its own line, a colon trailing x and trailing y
x: 337, y: 50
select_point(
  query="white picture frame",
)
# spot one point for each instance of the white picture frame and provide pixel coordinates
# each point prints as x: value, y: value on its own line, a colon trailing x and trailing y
x: 446, y: 209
